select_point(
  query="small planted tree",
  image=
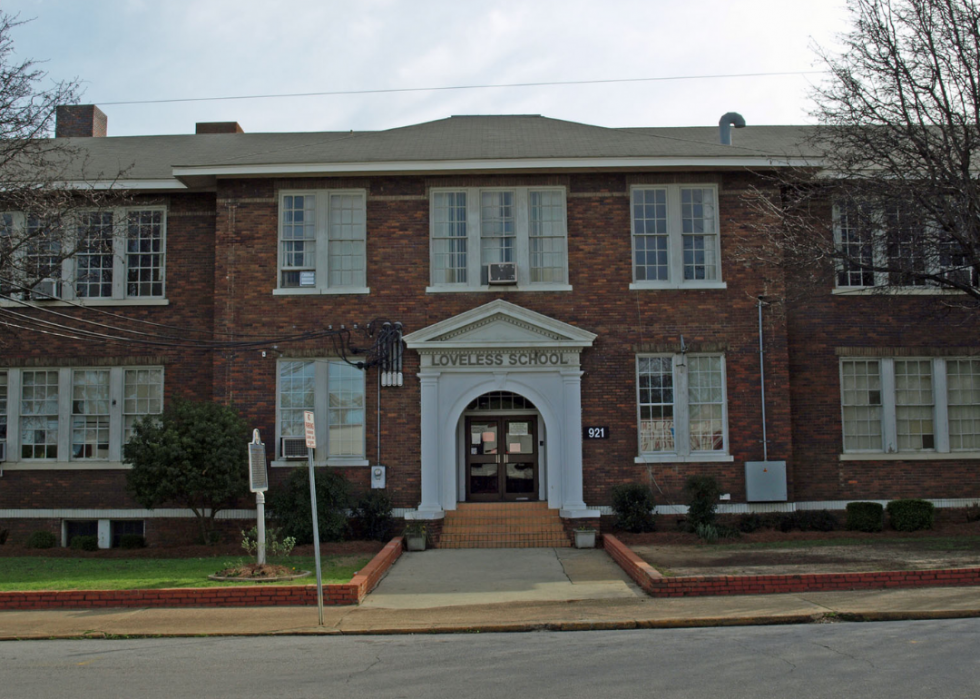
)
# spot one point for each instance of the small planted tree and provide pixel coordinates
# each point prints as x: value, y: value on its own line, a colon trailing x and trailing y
x: 194, y: 455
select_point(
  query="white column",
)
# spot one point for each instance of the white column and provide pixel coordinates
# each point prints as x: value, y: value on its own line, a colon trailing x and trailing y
x: 431, y: 505
x: 573, y: 504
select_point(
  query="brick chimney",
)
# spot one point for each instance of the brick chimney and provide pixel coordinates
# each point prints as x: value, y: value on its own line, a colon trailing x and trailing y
x: 79, y: 121
x: 218, y: 127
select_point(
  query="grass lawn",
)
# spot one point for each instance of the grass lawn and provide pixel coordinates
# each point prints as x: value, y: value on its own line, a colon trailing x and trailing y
x: 41, y: 573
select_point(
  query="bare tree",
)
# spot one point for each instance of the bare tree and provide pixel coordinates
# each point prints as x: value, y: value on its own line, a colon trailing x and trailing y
x: 890, y: 197
x: 49, y: 207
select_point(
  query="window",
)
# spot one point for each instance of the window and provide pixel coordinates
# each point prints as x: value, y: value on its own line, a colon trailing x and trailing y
x: 322, y: 242
x: 118, y: 255
x: 75, y: 414
x: 892, y: 248
x: 334, y: 391
x: 910, y: 405
x: 682, y: 410
x: 473, y: 227
x: 676, y: 242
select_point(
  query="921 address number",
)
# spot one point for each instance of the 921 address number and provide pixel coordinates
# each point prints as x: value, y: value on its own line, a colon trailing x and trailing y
x: 595, y: 432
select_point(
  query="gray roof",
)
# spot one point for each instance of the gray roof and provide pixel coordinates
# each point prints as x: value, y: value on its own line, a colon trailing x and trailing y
x: 458, y: 138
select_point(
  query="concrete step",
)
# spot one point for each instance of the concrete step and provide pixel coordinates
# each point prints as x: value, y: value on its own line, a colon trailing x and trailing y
x: 503, y: 525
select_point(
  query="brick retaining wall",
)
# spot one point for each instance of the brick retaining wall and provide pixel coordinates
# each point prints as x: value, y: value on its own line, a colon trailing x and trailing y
x: 657, y: 585
x: 352, y: 592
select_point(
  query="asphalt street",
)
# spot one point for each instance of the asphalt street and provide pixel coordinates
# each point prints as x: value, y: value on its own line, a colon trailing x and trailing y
x: 870, y: 660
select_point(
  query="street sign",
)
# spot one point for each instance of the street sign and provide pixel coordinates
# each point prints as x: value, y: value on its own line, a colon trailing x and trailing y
x: 258, y: 474
x: 310, y: 429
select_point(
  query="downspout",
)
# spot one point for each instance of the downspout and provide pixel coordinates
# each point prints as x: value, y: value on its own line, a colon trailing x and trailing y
x: 762, y: 385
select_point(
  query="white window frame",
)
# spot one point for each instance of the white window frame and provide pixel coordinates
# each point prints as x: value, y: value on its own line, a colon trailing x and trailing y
x: 64, y: 461
x: 321, y: 395
x: 120, y: 264
x: 675, y: 240
x: 879, y: 259
x: 474, y: 262
x: 682, y: 439
x: 889, y: 426
x: 322, y: 237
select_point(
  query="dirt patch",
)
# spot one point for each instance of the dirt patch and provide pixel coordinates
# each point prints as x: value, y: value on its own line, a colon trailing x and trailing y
x: 356, y: 549
x: 253, y: 572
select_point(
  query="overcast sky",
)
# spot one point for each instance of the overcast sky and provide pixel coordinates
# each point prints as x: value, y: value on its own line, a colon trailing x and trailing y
x: 128, y: 50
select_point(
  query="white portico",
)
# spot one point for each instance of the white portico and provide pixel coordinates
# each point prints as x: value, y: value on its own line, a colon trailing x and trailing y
x: 501, y: 347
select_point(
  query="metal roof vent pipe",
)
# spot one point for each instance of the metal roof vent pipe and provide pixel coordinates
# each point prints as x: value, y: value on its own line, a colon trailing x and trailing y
x: 725, y: 125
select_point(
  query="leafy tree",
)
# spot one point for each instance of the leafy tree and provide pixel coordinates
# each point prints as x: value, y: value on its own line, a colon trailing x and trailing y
x: 897, y: 149
x: 290, y: 506
x: 34, y: 169
x: 194, y: 455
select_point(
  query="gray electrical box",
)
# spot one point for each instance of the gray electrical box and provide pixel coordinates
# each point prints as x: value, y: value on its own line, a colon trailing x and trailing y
x: 765, y: 481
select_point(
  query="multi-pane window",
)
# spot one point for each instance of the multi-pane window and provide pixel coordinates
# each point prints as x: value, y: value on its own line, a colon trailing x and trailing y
x: 90, y: 414
x: 334, y: 391
x: 472, y: 228
x: 94, y: 262
x: 345, y: 410
x: 893, y: 405
x: 102, y: 255
x: 322, y: 239
x: 855, y: 242
x: 676, y: 240
x: 682, y: 407
x: 39, y: 415
x: 144, y: 253
x: 142, y: 395
x: 449, y: 238
x: 80, y: 414
x: 906, y: 242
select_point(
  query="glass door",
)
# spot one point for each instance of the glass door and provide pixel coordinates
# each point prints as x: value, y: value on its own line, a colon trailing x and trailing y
x: 501, y: 458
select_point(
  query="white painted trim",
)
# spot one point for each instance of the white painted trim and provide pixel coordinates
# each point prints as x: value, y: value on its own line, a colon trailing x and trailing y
x: 463, y: 289
x: 136, y: 301
x: 895, y: 291
x: 154, y: 184
x: 911, y: 456
x: 669, y: 286
x: 674, y: 458
x: 736, y: 508
x: 136, y: 513
x: 713, y: 162
x: 335, y: 291
x: 346, y: 461
x: 48, y: 465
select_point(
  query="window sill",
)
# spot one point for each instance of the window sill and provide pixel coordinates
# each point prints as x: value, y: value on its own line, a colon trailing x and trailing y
x: 667, y: 286
x: 64, y: 466
x: 322, y: 292
x: 461, y: 289
x: 894, y: 291
x: 911, y: 456
x: 335, y: 462
x: 87, y: 302
x: 674, y: 458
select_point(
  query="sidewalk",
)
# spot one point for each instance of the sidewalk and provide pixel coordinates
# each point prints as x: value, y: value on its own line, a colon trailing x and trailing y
x: 620, y: 613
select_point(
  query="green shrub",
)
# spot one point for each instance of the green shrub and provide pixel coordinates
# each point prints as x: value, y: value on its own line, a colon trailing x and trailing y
x: 289, y: 505
x: 972, y: 513
x: 84, y: 543
x: 702, y: 500
x: 42, y: 540
x: 633, y: 504
x: 865, y: 516
x: 132, y: 541
x: 748, y: 523
x: 911, y: 515
x: 373, y: 514
x: 707, y: 532
x: 816, y: 521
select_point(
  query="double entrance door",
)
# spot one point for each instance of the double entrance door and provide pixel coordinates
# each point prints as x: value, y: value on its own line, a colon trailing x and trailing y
x: 501, y: 458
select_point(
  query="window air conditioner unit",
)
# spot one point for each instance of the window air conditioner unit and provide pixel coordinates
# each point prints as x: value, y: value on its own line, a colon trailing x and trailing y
x: 502, y: 273
x: 46, y: 289
x: 293, y: 448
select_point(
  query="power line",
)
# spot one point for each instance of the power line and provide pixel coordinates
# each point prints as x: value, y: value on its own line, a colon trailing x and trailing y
x: 555, y: 83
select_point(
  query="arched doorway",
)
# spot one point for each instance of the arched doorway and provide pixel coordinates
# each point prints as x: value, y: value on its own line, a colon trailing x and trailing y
x: 501, y: 459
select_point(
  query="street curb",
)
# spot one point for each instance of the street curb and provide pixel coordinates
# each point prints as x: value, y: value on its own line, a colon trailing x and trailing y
x: 554, y: 626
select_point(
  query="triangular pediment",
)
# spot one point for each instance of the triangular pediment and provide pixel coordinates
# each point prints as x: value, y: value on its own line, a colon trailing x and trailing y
x: 499, y: 324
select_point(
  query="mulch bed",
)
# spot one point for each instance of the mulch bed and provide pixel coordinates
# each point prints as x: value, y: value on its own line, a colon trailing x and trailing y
x: 669, y: 534
x: 367, y: 548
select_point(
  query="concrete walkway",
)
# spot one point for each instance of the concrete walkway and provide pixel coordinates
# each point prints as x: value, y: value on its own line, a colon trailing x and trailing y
x: 460, y: 577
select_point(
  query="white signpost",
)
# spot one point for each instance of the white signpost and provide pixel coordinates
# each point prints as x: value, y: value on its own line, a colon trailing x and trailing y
x: 258, y: 483
x: 310, y: 429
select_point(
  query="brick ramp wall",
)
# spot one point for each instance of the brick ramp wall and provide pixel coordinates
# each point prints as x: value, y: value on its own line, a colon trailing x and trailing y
x: 251, y: 596
x: 657, y: 585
